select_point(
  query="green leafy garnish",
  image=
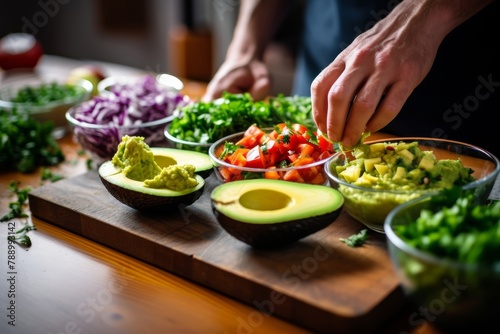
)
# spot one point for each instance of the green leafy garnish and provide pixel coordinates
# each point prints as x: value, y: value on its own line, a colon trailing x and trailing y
x: 21, y: 236
x: 356, y: 240
x: 16, y: 207
x: 47, y: 174
x: 456, y: 226
x: 26, y: 144
x: 205, y: 122
x: 46, y: 92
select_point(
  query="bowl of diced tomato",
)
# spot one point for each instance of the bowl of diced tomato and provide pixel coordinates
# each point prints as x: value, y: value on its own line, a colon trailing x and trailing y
x: 290, y: 152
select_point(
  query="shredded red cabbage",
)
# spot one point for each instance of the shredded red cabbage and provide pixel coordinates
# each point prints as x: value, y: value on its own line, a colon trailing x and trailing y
x: 141, y: 108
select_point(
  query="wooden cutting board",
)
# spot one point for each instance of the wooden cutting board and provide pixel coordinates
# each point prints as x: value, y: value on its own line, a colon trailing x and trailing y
x: 318, y: 283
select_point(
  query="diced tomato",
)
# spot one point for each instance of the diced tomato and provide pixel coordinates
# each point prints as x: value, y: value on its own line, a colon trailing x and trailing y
x: 293, y: 175
x: 324, y: 144
x: 289, y: 141
x: 271, y: 146
x: 323, y: 155
x: 255, y: 158
x: 238, y: 157
x: 299, y: 128
x: 254, y: 131
x: 284, y: 145
x: 306, y: 149
x: 293, y: 157
x: 247, y: 141
x: 318, y: 179
x: 272, y: 174
x: 225, y: 174
x: 301, y: 161
x: 272, y: 158
x: 309, y: 173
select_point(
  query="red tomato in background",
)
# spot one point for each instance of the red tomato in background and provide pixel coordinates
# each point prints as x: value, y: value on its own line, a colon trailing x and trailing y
x: 19, y: 50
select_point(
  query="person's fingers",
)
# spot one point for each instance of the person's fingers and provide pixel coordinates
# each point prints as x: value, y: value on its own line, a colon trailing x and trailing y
x: 363, y: 107
x: 261, y: 82
x: 340, y: 97
x: 320, y: 89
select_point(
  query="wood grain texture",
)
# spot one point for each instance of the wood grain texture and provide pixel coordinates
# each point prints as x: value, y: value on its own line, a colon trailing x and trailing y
x: 318, y: 277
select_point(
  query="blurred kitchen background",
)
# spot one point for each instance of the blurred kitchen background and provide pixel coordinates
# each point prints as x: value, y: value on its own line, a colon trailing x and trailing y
x: 187, y: 38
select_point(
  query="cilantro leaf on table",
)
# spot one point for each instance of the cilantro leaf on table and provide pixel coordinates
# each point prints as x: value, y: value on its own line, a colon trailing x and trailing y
x: 356, y: 240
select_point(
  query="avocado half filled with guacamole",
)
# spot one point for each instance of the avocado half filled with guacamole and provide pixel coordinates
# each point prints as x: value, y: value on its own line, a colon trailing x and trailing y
x: 268, y: 213
x: 147, y: 178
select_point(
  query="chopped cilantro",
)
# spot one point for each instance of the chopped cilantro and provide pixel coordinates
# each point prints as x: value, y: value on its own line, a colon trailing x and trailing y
x: 356, y: 240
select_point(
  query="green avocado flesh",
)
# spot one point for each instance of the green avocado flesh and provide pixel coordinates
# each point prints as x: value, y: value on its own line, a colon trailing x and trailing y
x: 264, y: 201
x: 138, y: 196
x: 268, y: 213
x: 165, y: 157
x: 113, y: 175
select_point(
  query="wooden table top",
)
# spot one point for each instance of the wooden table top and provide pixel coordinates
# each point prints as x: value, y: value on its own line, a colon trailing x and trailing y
x: 65, y: 283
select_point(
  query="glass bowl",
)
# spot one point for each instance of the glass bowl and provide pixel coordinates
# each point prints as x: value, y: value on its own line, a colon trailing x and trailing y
x: 101, y: 140
x: 160, y: 81
x: 141, y: 108
x: 371, y: 205
x: 54, y: 105
x: 311, y: 173
x: 184, y: 144
x: 450, y: 293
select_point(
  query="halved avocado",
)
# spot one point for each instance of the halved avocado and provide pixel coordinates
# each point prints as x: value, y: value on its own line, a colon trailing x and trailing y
x: 165, y: 157
x: 136, y: 195
x: 268, y: 213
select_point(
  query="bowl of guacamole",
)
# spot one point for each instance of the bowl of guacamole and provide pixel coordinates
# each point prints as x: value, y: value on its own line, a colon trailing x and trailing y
x: 376, y: 176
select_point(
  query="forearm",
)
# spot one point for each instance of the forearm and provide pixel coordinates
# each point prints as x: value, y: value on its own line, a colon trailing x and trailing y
x: 437, y: 18
x: 258, y: 21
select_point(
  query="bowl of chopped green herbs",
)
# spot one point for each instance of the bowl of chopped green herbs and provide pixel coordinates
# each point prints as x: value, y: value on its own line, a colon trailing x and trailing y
x: 199, y: 124
x: 445, y: 248
x: 45, y: 99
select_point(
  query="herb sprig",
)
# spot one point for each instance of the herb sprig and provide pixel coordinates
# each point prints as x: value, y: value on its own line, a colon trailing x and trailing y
x: 356, y: 240
x: 25, y: 143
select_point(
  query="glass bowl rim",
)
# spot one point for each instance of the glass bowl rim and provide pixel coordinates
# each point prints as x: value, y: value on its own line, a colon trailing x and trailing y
x: 73, y: 121
x: 428, y: 257
x: 175, y: 86
x: 470, y: 185
x: 176, y: 140
x: 37, y: 108
x: 216, y: 160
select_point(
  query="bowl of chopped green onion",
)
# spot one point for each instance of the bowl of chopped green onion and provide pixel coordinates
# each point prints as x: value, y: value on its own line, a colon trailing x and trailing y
x: 46, y: 99
x: 445, y: 248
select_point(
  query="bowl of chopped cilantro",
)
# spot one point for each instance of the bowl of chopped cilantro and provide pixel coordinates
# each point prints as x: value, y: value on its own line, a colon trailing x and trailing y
x: 445, y: 248
x: 45, y: 99
x: 199, y: 124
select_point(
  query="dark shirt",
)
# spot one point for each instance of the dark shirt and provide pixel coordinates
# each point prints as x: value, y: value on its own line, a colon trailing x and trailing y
x: 460, y: 97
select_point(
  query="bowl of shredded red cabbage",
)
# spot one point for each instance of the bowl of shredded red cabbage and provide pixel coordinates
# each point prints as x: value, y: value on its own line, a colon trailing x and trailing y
x: 140, y: 107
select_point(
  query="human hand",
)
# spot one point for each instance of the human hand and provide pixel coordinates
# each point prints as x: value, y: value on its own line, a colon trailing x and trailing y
x: 235, y: 77
x: 366, y: 86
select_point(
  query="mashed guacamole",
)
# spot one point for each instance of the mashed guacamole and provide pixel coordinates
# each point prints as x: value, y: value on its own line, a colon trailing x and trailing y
x: 136, y: 161
x: 397, y: 167
x: 402, y: 166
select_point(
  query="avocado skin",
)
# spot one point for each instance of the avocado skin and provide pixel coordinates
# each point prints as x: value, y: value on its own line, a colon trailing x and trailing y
x: 146, y: 202
x: 205, y: 173
x: 267, y: 236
